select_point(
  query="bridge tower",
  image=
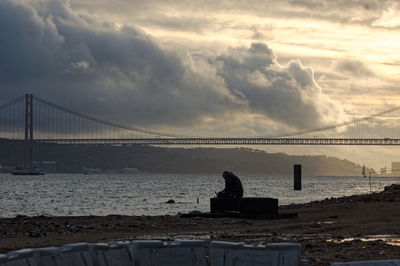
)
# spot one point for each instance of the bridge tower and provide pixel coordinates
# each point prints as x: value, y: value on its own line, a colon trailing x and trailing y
x: 28, y: 143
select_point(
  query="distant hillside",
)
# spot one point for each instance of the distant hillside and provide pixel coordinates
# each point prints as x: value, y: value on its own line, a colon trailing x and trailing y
x: 72, y: 158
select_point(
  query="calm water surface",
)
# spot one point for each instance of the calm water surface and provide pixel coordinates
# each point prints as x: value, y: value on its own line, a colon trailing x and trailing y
x: 146, y: 194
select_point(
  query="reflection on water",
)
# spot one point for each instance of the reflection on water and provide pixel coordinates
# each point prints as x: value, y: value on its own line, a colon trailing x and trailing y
x: 146, y: 194
x: 393, y: 240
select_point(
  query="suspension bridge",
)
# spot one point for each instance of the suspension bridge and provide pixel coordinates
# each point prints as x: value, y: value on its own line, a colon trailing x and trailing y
x: 35, y: 120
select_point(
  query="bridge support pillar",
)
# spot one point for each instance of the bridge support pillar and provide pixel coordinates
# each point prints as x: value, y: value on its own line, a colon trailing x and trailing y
x: 28, y: 143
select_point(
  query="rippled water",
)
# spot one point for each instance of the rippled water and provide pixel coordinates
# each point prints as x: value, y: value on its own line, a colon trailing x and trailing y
x: 146, y: 194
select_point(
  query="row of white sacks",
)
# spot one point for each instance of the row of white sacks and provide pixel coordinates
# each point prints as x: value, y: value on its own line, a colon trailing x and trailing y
x: 166, y: 253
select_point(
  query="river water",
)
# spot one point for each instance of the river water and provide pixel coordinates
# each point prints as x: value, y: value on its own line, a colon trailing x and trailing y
x: 146, y: 194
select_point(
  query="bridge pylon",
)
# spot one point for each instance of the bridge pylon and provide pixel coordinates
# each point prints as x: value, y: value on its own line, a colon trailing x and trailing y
x: 28, y: 142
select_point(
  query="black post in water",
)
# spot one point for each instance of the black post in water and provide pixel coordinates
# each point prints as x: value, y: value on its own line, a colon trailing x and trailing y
x: 297, y: 177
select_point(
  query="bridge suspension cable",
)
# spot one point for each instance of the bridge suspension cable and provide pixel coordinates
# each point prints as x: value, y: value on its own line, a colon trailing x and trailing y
x: 54, y: 123
x: 387, y: 130
x: 106, y: 123
x: 12, y: 120
x: 12, y: 102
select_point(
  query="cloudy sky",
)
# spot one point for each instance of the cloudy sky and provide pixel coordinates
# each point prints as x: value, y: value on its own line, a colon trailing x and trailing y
x: 209, y: 68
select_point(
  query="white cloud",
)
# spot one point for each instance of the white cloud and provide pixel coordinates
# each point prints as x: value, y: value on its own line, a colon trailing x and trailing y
x: 390, y: 17
x: 286, y: 94
x: 83, y: 65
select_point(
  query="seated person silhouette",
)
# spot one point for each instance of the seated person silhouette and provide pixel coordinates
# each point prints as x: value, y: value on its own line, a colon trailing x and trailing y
x: 233, y: 187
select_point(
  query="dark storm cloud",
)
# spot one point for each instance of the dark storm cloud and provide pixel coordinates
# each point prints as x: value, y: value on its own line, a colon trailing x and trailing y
x: 121, y: 74
x: 92, y: 67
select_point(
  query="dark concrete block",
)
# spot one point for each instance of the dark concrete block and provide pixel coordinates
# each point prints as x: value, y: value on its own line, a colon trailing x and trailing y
x: 258, y: 207
x: 248, y: 207
x: 223, y: 205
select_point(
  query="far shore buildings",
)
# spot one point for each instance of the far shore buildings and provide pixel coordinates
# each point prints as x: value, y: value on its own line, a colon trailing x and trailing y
x: 389, y: 172
x: 396, y: 168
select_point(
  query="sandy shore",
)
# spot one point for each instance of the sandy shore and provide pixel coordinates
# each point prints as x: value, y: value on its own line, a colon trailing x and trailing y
x: 328, y: 230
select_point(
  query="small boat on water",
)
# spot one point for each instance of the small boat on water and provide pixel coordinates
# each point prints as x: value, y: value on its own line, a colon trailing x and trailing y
x: 91, y: 170
x: 25, y: 171
x: 363, y: 171
x: 88, y: 171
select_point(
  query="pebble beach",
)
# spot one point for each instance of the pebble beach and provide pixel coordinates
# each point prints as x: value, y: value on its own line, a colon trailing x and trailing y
x: 353, y: 228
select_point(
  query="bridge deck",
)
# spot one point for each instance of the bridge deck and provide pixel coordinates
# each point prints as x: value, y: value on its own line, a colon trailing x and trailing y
x: 224, y: 141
